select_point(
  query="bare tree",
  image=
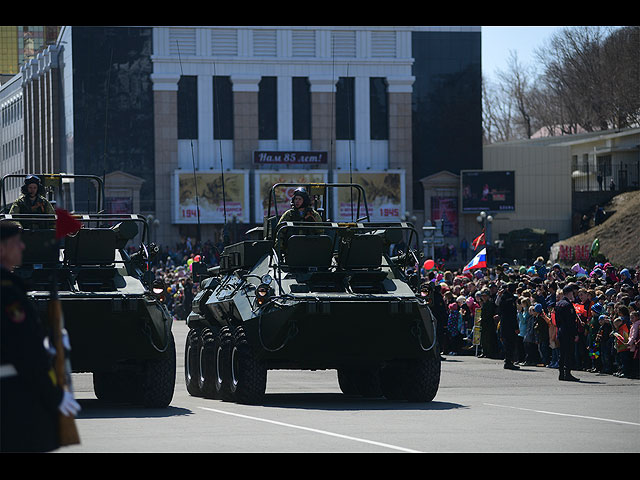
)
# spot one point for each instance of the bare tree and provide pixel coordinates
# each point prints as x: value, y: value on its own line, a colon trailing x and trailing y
x: 497, y: 113
x: 589, y: 79
x: 593, y: 71
x: 621, y: 84
x: 516, y: 81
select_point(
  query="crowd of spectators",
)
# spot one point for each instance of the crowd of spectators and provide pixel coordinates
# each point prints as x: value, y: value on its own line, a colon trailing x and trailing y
x: 466, y: 306
x: 607, y: 304
x: 172, y: 265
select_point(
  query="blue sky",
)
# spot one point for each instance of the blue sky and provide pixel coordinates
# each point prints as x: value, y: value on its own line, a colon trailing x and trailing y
x: 497, y: 42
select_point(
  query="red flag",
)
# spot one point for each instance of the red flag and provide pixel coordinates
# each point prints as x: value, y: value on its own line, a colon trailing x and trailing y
x: 66, y: 223
x: 478, y: 241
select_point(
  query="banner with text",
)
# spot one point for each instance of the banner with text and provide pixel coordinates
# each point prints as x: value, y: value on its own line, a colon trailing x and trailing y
x: 289, y: 158
x: 385, y: 192
x: 210, y: 201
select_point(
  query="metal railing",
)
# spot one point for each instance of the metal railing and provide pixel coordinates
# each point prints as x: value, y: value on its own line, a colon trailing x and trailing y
x: 620, y: 177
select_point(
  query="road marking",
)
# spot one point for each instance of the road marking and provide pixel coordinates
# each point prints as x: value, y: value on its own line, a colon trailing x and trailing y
x: 314, y: 430
x: 564, y: 414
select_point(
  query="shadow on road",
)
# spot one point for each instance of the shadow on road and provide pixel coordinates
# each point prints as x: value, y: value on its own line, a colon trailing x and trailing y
x: 94, y: 408
x: 341, y: 402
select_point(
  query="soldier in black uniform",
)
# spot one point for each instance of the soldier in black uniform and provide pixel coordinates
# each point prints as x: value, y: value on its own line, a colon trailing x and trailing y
x: 30, y: 398
x: 567, y: 333
x: 508, y: 317
x: 488, y: 337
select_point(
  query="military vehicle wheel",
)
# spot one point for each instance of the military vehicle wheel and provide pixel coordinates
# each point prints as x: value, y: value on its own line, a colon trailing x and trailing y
x: 344, y: 382
x: 159, y: 379
x: 360, y: 381
x: 390, y: 384
x: 223, y: 342
x: 191, y: 363
x: 421, y: 378
x: 248, y: 374
x: 114, y: 386
x: 208, y: 364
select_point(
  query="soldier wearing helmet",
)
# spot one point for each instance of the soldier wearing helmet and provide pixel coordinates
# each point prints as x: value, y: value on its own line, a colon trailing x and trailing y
x: 32, y: 201
x: 301, y: 209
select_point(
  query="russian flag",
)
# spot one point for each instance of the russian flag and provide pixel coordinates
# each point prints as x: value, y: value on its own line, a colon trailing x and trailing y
x: 479, y: 261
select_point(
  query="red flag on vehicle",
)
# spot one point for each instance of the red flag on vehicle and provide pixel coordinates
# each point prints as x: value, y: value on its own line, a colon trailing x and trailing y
x: 478, y: 241
x: 66, y: 223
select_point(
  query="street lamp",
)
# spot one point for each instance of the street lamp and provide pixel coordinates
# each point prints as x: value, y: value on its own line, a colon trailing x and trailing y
x: 155, y: 223
x: 485, y: 221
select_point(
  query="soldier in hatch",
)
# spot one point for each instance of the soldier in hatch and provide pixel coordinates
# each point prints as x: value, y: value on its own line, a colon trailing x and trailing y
x: 300, y: 211
x: 33, y: 201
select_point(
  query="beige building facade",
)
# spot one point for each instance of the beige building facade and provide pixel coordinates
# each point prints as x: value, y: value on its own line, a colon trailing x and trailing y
x: 246, y: 55
x: 557, y: 177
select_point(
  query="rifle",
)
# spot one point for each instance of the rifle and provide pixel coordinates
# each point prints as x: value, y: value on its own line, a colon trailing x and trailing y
x: 68, y: 433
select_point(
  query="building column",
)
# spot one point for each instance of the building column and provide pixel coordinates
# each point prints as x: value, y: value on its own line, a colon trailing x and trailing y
x: 400, y: 139
x: 323, y: 117
x: 245, y: 119
x: 165, y: 124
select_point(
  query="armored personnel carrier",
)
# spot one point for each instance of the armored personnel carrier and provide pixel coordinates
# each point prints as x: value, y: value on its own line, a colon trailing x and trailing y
x: 117, y: 326
x: 313, y: 296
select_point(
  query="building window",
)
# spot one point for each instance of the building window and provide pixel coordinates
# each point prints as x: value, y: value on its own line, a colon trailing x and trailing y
x: 301, y: 108
x: 345, y: 103
x: 222, y: 108
x: 188, y: 108
x: 379, y: 109
x: 268, y: 108
x: 604, y: 165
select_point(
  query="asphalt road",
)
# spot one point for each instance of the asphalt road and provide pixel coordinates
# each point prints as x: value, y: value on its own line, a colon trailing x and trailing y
x: 480, y: 407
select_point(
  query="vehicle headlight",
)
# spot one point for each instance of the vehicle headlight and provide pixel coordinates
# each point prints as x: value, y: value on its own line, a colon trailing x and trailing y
x: 157, y: 287
x: 262, y: 294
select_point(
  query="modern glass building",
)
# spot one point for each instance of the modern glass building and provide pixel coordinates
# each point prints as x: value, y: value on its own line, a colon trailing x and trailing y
x: 21, y: 43
x: 447, y: 104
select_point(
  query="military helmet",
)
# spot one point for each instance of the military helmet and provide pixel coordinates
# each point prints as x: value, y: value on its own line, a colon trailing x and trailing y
x: 29, y: 179
x: 301, y: 192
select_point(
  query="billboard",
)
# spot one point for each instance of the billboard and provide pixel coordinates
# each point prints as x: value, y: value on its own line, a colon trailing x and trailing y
x: 385, y: 192
x: 210, y: 201
x: 491, y: 191
x: 446, y: 209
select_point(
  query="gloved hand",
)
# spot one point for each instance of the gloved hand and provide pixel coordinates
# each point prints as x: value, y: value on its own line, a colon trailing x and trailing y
x: 69, y: 407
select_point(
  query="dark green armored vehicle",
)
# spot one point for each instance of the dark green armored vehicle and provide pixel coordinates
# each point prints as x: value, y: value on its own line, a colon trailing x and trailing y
x: 314, y: 296
x: 117, y: 326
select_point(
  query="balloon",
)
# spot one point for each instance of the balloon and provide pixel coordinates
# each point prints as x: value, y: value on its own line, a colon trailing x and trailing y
x: 429, y: 264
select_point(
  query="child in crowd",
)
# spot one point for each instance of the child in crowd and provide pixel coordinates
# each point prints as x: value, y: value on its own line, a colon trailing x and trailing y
x: 541, y: 327
x: 634, y: 343
x: 605, y: 340
x: 455, y: 327
x: 623, y: 355
x: 530, y: 344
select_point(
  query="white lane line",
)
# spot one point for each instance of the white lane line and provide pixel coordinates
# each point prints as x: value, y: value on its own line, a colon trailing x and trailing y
x: 314, y: 430
x: 564, y: 414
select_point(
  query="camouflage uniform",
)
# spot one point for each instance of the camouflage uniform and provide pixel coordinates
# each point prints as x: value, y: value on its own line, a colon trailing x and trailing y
x: 295, y: 215
x: 24, y: 205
